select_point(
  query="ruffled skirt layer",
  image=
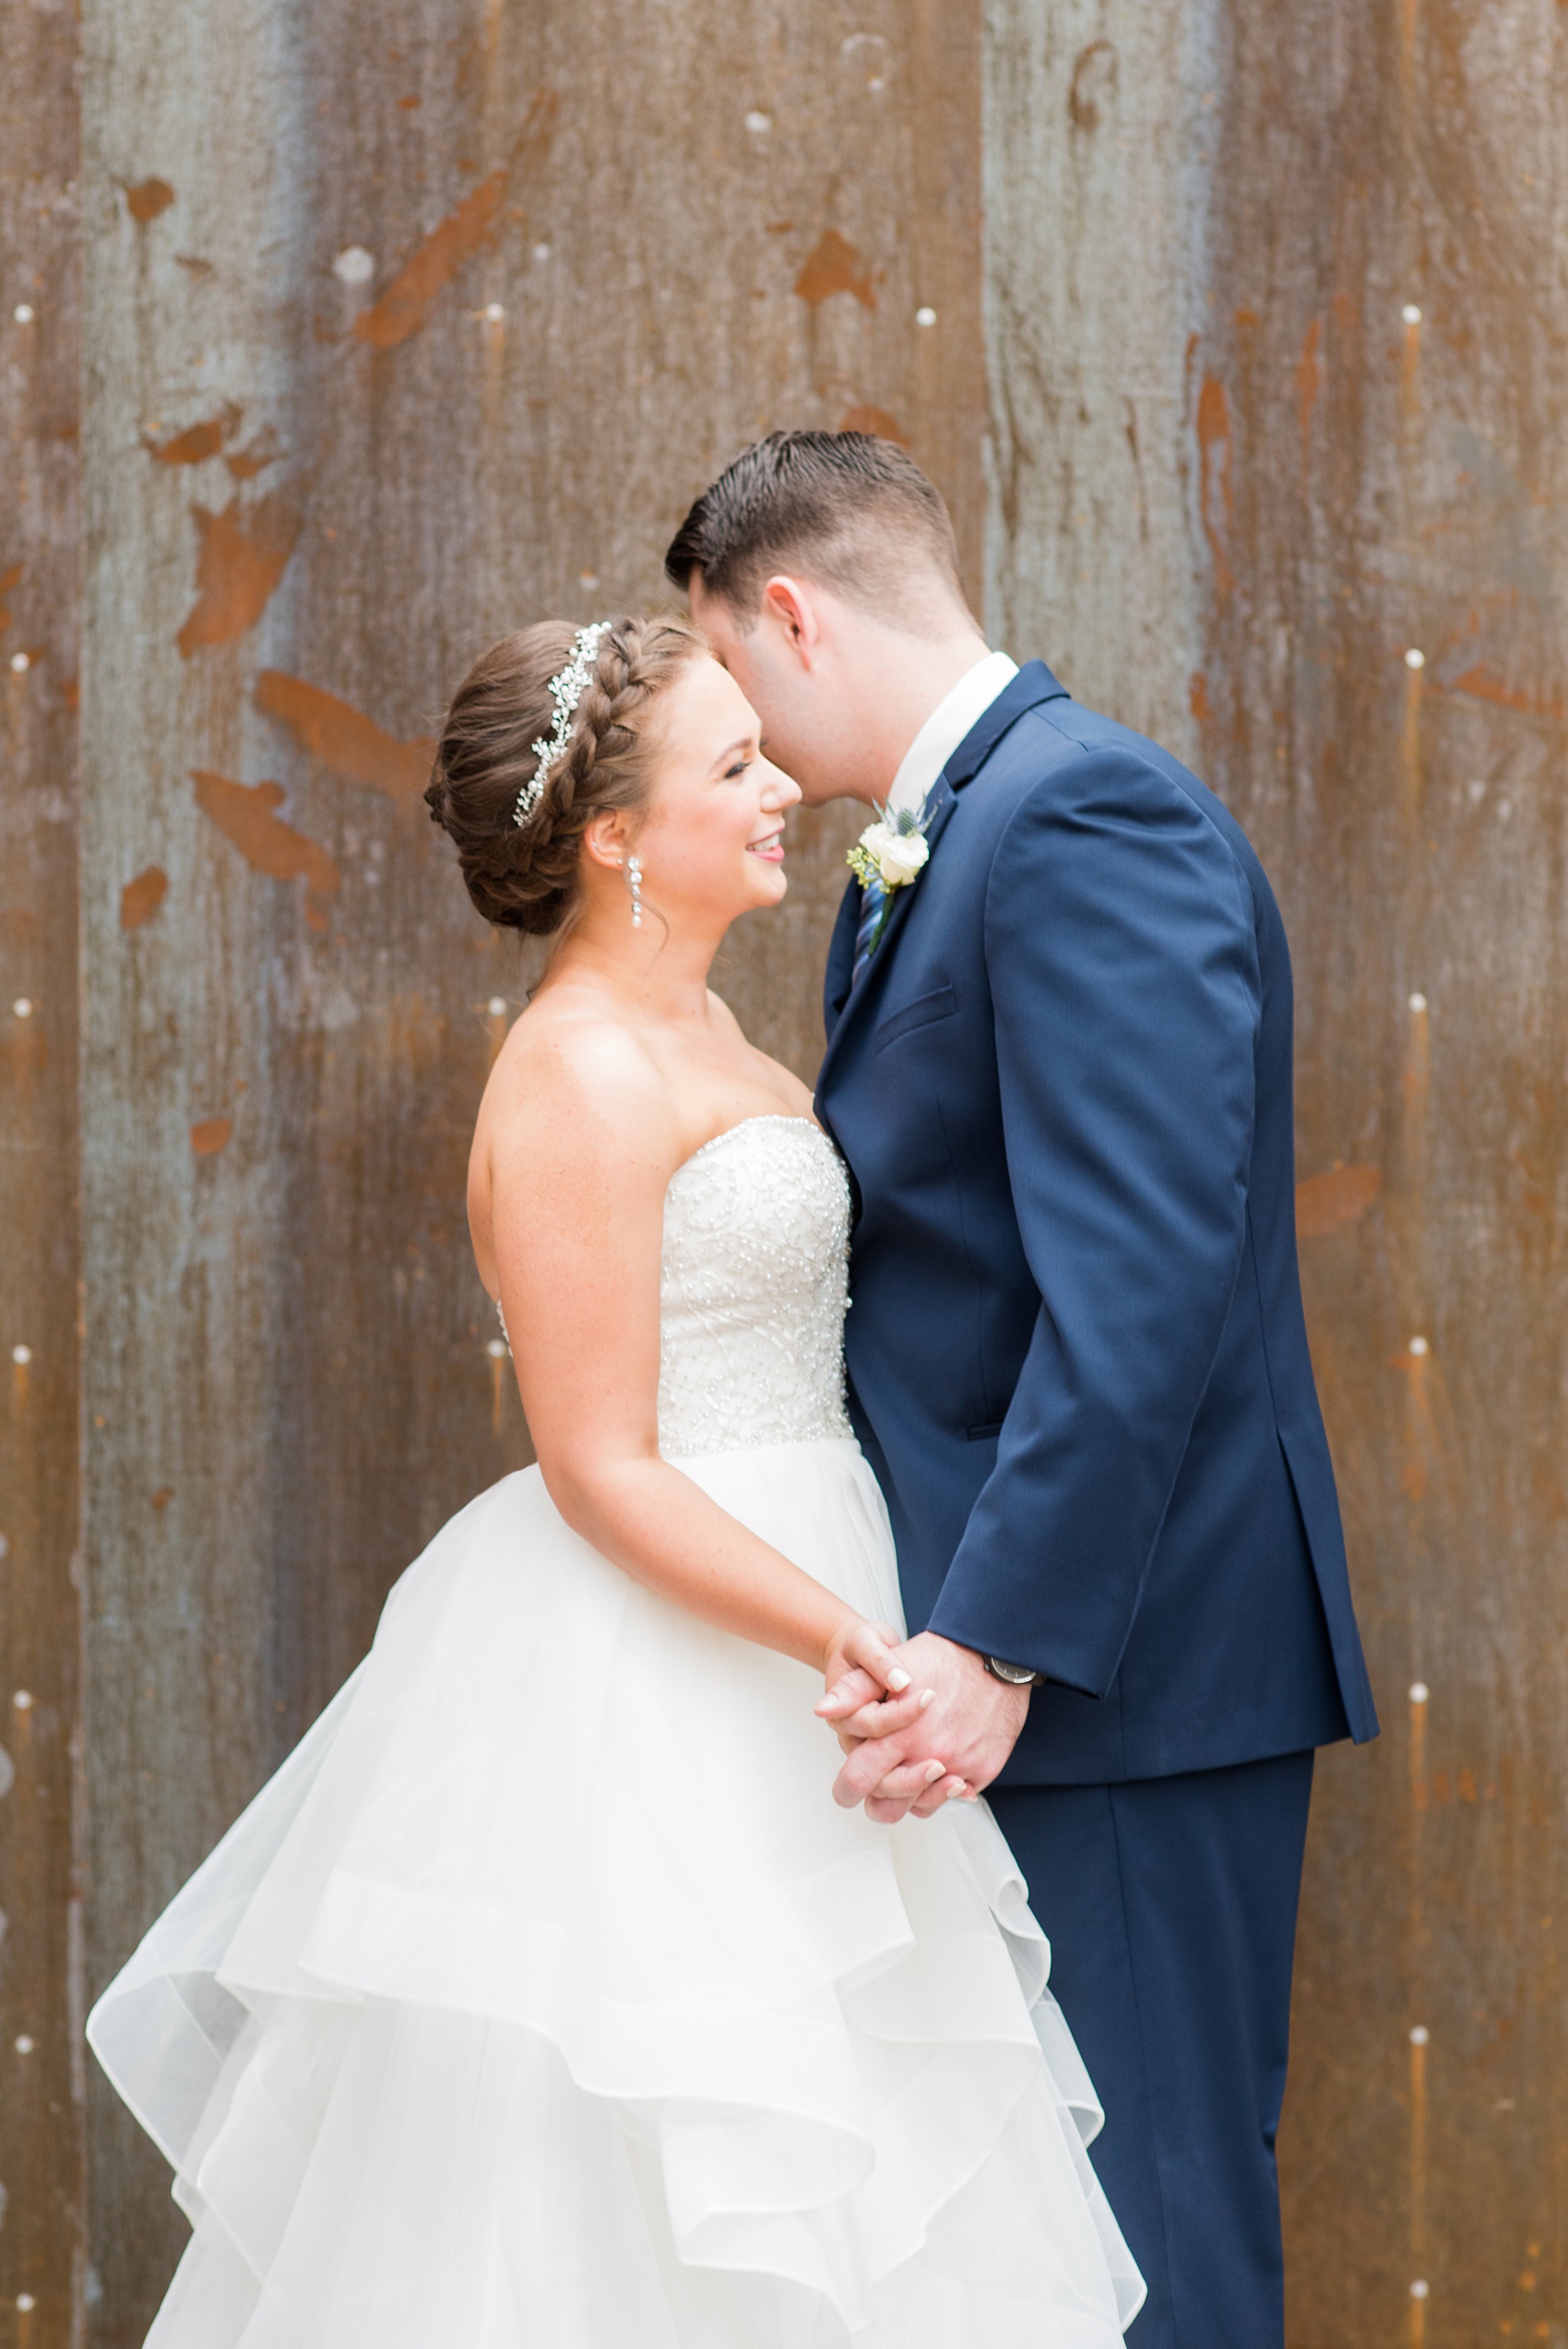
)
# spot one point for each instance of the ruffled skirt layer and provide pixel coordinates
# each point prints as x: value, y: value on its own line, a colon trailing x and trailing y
x: 544, y: 1999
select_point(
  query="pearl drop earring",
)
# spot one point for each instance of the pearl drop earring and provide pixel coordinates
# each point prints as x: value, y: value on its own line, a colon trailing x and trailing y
x: 634, y: 882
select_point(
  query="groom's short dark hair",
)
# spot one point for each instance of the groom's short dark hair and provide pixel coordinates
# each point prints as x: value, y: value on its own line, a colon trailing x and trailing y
x: 847, y: 509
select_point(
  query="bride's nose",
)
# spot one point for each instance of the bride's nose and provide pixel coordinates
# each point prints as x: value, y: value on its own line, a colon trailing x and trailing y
x: 778, y: 790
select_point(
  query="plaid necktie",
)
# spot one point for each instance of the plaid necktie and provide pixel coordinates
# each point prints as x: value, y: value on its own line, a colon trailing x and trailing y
x: 873, y: 897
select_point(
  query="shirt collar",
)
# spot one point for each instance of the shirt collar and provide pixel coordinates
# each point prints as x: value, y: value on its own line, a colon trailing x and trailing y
x: 954, y: 715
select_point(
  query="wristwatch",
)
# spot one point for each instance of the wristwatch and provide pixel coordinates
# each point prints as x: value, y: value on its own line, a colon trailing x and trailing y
x: 1017, y: 1676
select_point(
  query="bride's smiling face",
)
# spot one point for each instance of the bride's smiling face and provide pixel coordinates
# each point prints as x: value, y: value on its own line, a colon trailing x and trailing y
x: 712, y: 843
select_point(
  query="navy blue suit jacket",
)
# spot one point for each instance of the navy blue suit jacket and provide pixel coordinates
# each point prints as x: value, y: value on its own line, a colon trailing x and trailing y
x: 1076, y: 1354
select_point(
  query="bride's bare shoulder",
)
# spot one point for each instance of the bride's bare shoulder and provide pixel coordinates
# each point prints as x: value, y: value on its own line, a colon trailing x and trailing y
x: 573, y: 1093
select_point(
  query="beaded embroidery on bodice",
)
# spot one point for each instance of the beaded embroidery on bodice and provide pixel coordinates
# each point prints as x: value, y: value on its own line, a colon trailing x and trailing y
x: 754, y: 1287
x: 754, y: 1290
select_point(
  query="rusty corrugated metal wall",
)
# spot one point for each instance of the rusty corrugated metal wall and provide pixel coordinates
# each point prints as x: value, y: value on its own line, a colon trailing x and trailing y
x: 1277, y: 323
x: 1242, y: 366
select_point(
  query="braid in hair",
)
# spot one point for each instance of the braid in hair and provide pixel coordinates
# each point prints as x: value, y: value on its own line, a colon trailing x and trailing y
x: 525, y: 877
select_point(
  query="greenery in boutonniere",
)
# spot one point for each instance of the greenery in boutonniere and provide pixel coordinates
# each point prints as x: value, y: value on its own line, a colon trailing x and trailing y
x: 891, y: 852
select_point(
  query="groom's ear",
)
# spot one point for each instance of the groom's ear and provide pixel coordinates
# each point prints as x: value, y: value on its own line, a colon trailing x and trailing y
x: 791, y: 609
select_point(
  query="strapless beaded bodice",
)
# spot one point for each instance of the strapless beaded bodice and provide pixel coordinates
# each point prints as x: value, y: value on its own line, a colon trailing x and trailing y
x: 755, y: 1285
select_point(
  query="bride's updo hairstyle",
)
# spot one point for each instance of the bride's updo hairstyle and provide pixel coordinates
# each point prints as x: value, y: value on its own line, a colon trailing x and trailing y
x: 525, y: 876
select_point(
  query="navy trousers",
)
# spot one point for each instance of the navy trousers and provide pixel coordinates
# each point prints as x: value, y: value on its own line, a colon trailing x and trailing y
x: 1170, y: 1908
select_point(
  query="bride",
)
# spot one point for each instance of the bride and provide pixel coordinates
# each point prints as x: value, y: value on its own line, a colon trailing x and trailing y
x: 544, y: 1999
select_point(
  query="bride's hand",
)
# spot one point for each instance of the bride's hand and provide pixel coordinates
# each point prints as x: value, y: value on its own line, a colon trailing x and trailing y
x: 868, y: 1693
x: 858, y: 1665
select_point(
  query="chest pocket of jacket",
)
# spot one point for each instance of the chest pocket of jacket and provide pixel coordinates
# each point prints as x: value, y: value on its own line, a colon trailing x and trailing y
x: 940, y: 1003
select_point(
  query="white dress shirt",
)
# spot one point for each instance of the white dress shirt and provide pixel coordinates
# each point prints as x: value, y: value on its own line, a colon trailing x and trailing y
x: 954, y: 715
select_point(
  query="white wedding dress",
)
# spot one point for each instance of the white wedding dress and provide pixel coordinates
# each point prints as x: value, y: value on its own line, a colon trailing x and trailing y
x: 544, y: 1999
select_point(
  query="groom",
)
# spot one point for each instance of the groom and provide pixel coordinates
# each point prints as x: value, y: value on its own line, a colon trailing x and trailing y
x: 1059, y: 1065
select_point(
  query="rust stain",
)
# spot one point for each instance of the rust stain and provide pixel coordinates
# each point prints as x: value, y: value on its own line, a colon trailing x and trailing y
x: 1410, y: 739
x: 241, y: 558
x: 198, y: 441
x: 833, y: 265
x: 1328, y: 1201
x: 1095, y: 74
x: 1411, y: 370
x: 147, y: 198
x: 246, y: 815
x: 161, y: 1498
x: 1309, y: 383
x: 9, y: 581
x: 1416, y: 1077
x: 1420, y: 1444
x: 244, y: 464
x: 406, y: 303
x: 140, y: 898
x: 1484, y: 684
x: 1214, y: 459
x: 875, y: 421
x: 1197, y: 697
x: 207, y: 1136
x: 343, y: 738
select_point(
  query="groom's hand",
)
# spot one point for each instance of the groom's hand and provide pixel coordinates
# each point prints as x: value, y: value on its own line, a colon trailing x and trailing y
x: 970, y: 1725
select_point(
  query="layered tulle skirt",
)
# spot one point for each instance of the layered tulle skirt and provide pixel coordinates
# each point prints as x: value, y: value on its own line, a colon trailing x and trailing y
x: 544, y: 1999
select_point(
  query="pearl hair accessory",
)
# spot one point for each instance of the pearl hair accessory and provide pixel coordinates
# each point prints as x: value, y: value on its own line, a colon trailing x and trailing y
x: 634, y: 882
x: 566, y: 690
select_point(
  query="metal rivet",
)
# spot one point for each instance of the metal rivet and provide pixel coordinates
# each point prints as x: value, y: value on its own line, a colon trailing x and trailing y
x: 25, y: 2303
x: 24, y: 2044
x: 21, y: 1355
x: 22, y: 314
x: 757, y: 121
x: 354, y: 266
x: 1417, y: 1002
x: 1415, y: 658
x: 925, y: 315
x: 23, y: 1699
x: 1412, y: 314
x: 20, y: 663
x: 1419, y: 1347
x: 23, y: 1007
x: 494, y: 312
x: 497, y: 1348
x: 588, y: 578
x: 1419, y: 1692
x: 541, y: 253
x: 1418, y: 2289
x: 1420, y: 2034
x: 496, y: 1007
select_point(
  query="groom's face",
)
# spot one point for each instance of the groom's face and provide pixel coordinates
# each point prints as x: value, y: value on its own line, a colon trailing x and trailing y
x: 803, y: 730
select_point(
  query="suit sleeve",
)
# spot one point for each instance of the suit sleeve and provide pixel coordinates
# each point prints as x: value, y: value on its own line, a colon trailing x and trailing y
x: 1123, y: 971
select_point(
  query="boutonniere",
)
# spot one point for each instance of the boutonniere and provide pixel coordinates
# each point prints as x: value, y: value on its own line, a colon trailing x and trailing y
x: 889, y: 854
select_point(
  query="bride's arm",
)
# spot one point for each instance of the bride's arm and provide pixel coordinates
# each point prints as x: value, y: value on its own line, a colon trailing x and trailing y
x: 581, y: 1151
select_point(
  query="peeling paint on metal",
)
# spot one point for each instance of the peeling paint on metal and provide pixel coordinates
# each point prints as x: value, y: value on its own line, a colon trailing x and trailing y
x: 1329, y: 1201
x: 343, y: 739
x: 245, y: 814
x: 147, y: 198
x: 407, y: 303
x: 833, y: 265
x: 242, y: 554
x: 140, y: 898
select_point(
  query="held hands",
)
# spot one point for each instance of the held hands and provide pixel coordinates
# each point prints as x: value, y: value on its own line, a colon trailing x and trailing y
x: 943, y: 1728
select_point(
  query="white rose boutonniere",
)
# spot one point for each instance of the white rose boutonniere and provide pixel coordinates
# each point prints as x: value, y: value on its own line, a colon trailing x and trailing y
x: 888, y: 855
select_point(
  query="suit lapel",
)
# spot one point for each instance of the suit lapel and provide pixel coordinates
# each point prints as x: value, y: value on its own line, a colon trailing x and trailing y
x: 1033, y: 685
x: 841, y: 957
